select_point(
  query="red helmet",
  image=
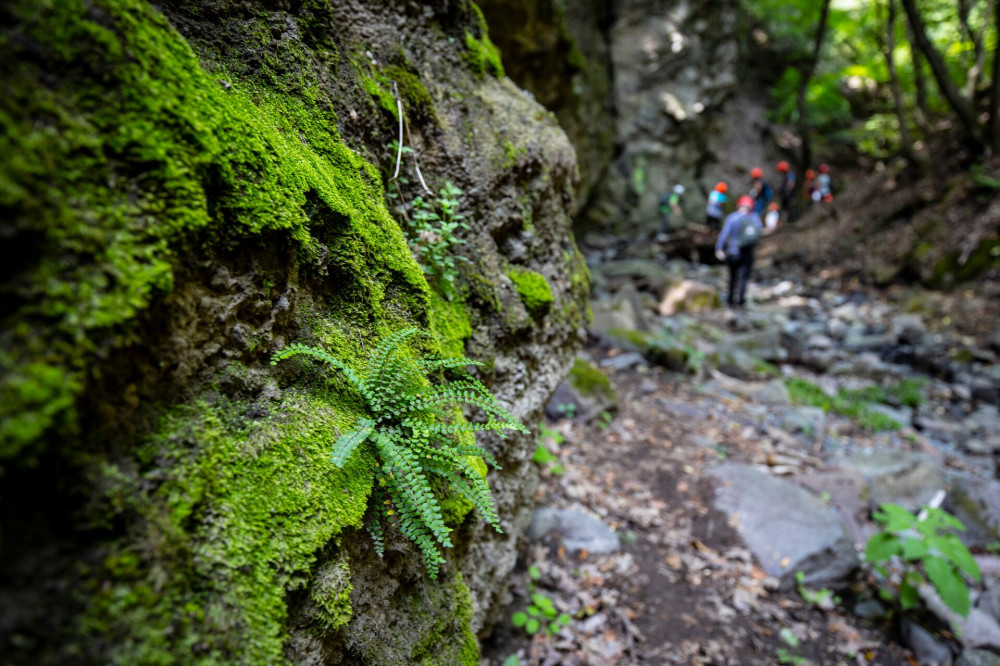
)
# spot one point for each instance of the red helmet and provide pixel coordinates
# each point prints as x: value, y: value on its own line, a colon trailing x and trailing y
x: 810, y: 173
x: 720, y: 187
x: 745, y: 202
x: 782, y: 166
x: 756, y: 172
x: 824, y: 168
x: 773, y: 206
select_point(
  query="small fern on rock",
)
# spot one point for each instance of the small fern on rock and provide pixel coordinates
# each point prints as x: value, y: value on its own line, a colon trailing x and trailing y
x: 416, y: 440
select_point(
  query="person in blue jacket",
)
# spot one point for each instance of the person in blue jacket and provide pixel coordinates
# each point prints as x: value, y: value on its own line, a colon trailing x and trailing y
x: 735, y: 245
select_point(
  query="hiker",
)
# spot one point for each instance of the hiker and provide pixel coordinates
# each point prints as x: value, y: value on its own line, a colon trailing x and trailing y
x: 735, y: 246
x: 760, y: 191
x: 809, y: 191
x: 787, y: 187
x: 824, y: 183
x: 671, y: 214
x: 773, y: 217
x: 713, y: 210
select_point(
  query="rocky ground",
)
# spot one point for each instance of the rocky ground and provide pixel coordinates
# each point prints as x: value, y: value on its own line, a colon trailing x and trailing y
x: 675, y: 512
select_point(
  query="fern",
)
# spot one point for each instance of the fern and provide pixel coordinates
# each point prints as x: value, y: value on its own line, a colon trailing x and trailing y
x: 416, y: 441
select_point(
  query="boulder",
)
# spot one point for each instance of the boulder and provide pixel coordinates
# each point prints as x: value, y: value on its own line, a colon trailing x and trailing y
x: 908, y: 328
x: 977, y: 630
x: 976, y: 502
x: 622, y: 311
x: 896, y: 476
x: 787, y: 529
x: 575, y: 530
x: 584, y: 394
x: 688, y: 296
x: 765, y: 344
x: 978, y: 658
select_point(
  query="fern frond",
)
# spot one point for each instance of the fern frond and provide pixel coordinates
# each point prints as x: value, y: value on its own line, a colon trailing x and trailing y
x: 346, y: 444
x: 412, y: 490
x: 297, y: 349
x: 415, y: 438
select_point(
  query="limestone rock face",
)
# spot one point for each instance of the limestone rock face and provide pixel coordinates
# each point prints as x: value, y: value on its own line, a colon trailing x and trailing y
x: 188, y: 188
x: 667, y: 67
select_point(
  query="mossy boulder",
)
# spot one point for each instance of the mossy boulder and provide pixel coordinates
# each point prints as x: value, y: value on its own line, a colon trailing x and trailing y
x: 186, y: 189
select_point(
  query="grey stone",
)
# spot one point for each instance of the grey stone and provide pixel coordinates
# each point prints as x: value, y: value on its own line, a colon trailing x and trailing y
x: 901, y: 415
x: 622, y: 311
x: 874, y: 341
x: 928, y: 650
x: 819, y: 360
x: 976, y: 502
x: 735, y: 362
x: 819, y: 341
x: 983, y: 446
x: 978, y: 658
x: 984, y: 389
x: 896, y: 476
x: 806, y: 422
x: 837, y: 329
x: 765, y: 344
x: 908, y: 328
x: 974, y: 631
x: 624, y: 361
x: 575, y: 530
x: 989, y: 600
x: 647, y: 386
x: 869, y: 609
x: 786, y: 528
x: 941, y: 430
x: 773, y: 392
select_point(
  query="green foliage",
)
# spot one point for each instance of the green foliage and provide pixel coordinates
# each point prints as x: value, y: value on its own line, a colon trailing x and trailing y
x: 823, y: 598
x: 928, y: 549
x: 856, y: 403
x: 415, y: 440
x: 543, y: 456
x: 432, y: 234
x: 785, y: 656
x: 541, y: 613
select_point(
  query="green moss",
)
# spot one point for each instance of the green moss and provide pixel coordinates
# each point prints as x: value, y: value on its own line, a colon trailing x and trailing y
x: 588, y: 379
x: 450, y: 323
x: 450, y: 640
x: 331, y: 594
x: 239, y: 512
x: 117, y: 176
x: 533, y: 289
x: 482, y: 55
x: 378, y: 83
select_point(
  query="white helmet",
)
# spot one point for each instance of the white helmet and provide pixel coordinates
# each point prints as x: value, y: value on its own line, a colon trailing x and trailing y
x: 678, y: 189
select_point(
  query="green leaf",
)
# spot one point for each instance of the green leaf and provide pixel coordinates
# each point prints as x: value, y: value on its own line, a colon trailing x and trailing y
x: 908, y: 595
x: 532, y: 626
x: 518, y: 619
x: 881, y: 547
x: 563, y: 619
x: 949, y: 585
x: 914, y: 549
x: 789, y: 637
x: 512, y: 660
x: 952, y: 548
x: 534, y: 572
x: 534, y: 610
x: 346, y: 444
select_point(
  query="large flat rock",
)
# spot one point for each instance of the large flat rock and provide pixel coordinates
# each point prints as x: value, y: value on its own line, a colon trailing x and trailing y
x: 787, y: 529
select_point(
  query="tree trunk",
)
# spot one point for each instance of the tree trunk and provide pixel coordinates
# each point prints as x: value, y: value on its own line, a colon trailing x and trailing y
x: 961, y: 106
x: 806, y: 155
x: 905, y: 139
x: 993, y: 125
x: 975, y: 72
x: 922, y: 114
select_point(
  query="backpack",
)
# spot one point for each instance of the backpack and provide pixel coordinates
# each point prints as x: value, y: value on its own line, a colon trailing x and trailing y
x: 748, y: 234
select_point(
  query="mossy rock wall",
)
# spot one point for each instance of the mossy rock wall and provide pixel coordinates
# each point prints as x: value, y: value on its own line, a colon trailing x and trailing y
x: 184, y: 189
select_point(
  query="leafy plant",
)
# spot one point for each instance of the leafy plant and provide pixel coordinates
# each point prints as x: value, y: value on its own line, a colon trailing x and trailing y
x: 823, y: 598
x: 789, y: 638
x: 432, y: 237
x: 604, y: 420
x: 928, y: 549
x: 416, y: 440
x: 541, y: 613
x: 543, y: 456
x: 567, y: 409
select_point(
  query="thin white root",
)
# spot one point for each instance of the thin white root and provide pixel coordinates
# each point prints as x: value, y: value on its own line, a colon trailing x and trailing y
x: 399, y: 144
